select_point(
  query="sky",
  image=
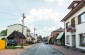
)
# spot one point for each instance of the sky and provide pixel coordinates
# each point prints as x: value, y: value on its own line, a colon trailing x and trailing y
x: 44, y: 15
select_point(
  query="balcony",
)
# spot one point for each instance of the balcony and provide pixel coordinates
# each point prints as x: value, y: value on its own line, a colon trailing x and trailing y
x: 69, y: 28
x: 73, y: 29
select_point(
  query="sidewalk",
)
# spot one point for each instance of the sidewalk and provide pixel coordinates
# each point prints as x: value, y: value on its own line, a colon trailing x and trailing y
x: 13, y: 51
x: 66, y: 51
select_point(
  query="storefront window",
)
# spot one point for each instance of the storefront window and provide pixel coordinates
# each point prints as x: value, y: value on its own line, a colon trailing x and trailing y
x: 82, y: 39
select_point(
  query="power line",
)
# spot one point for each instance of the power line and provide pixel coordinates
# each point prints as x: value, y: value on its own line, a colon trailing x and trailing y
x: 8, y: 14
x: 18, y: 10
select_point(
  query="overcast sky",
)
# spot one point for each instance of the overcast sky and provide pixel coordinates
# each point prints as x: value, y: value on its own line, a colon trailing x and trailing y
x: 44, y: 15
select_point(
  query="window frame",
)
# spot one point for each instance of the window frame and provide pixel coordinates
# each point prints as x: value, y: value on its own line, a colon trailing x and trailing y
x: 67, y: 25
x: 80, y: 35
x: 79, y: 18
x: 68, y: 39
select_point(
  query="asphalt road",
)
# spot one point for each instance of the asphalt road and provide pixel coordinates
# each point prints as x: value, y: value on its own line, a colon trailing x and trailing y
x: 41, y: 49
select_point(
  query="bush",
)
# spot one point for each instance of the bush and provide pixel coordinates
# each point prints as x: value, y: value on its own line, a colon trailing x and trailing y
x: 21, y: 46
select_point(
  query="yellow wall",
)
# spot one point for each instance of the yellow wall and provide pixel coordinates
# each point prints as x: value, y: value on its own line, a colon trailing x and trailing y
x: 55, y: 34
x: 2, y: 44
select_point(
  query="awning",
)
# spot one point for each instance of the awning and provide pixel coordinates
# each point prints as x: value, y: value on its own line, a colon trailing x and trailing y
x: 60, y: 35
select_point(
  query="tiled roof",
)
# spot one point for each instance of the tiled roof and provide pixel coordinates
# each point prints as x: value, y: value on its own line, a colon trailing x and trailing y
x: 59, y: 30
x: 16, y: 34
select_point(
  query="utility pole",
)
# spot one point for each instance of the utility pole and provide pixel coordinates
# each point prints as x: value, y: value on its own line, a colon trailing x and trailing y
x: 34, y: 32
x: 23, y: 22
x: 23, y: 16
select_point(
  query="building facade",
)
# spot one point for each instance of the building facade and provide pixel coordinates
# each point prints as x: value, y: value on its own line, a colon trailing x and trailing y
x: 54, y: 35
x: 74, y: 23
x: 18, y: 27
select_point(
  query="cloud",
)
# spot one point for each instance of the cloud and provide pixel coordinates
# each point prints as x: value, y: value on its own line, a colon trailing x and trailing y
x: 42, y: 14
x: 47, y: 20
x: 2, y: 28
x: 46, y: 31
x: 60, y: 2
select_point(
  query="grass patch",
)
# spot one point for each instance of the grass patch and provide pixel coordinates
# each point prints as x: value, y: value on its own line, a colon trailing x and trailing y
x: 11, y: 47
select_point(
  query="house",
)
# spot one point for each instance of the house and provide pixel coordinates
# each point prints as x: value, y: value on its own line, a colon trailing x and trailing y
x: 31, y: 38
x: 74, y: 23
x: 18, y: 27
x: 61, y: 39
x: 54, y: 35
x: 18, y: 36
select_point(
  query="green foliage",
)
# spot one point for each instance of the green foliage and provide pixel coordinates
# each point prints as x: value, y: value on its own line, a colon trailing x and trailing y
x: 11, y: 47
x: 21, y: 46
x: 4, y: 32
x: 3, y: 39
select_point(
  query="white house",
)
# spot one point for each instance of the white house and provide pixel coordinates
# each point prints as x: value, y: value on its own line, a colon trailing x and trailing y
x: 18, y: 27
x: 74, y: 23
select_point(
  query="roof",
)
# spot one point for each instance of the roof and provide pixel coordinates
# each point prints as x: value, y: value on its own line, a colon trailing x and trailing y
x: 20, y: 25
x: 71, y: 5
x: 60, y: 35
x: 59, y: 30
x: 72, y: 12
x: 17, y: 24
x: 15, y: 34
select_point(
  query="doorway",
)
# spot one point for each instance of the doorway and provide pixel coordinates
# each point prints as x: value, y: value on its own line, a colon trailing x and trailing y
x: 74, y: 41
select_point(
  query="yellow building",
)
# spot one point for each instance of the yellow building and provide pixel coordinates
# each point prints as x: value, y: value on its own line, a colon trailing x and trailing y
x: 54, y: 35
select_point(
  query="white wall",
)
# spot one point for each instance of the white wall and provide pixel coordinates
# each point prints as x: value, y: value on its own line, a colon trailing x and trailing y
x: 3, y: 37
x: 80, y: 29
x: 16, y: 27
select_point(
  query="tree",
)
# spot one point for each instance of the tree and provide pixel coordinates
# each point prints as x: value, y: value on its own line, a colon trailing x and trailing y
x: 4, y: 32
x: 40, y: 37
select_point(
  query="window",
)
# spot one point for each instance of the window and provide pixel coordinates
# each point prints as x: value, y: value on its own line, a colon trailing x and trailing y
x: 82, y: 39
x: 81, y: 18
x: 67, y: 40
x: 67, y: 25
x: 73, y: 22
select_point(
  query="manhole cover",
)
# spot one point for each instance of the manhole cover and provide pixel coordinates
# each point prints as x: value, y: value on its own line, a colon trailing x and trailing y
x: 54, y: 52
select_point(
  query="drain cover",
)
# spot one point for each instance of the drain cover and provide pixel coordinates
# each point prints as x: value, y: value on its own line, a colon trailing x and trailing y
x: 54, y: 52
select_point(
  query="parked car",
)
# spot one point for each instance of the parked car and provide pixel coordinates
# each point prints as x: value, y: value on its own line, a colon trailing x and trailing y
x: 11, y: 43
x: 46, y: 42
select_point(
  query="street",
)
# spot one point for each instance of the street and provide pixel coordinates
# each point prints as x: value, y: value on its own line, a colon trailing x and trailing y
x: 41, y: 49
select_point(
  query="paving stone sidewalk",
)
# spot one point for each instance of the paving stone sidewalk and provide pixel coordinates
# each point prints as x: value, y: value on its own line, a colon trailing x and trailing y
x: 67, y: 51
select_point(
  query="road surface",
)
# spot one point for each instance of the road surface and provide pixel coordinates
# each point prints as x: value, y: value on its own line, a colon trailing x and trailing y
x: 41, y: 49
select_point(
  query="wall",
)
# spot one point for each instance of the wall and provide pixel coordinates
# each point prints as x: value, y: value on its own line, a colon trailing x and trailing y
x: 3, y: 37
x: 2, y: 44
x: 12, y: 28
x: 80, y: 29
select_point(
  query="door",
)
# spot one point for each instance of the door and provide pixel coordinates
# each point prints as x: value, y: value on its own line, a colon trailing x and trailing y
x: 73, y: 41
